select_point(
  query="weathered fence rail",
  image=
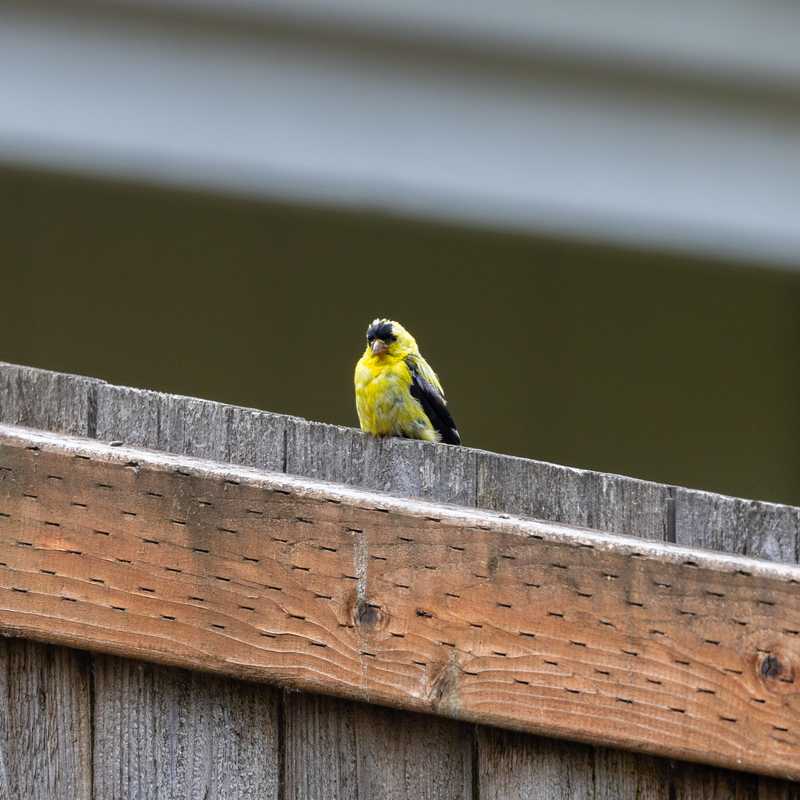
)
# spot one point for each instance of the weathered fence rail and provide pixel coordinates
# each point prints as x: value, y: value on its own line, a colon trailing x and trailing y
x: 77, y: 725
x: 470, y: 614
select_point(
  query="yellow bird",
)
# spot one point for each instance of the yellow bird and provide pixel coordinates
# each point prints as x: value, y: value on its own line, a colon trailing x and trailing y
x: 397, y: 392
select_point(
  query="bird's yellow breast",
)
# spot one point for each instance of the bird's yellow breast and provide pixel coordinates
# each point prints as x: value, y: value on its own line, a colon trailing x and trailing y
x: 384, y: 402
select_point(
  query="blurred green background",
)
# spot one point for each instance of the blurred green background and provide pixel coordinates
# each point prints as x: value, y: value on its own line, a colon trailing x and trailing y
x: 665, y: 368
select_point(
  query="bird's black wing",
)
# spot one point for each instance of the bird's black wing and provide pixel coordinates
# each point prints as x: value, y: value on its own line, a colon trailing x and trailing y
x: 433, y: 404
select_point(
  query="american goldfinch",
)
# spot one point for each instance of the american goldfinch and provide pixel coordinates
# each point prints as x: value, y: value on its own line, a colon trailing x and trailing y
x: 397, y: 393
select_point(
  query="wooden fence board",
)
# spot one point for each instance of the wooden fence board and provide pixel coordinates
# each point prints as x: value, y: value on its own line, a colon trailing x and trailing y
x: 398, y: 466
x: 372, y: 752
x: 164, y: 732
x: 533, y: 768
x: 536, y: 767
x: 61, y: 402
x: 431, y: 756
x: 774, y: 789
x: 181, y: 733
x: 697, y: 782
x: 618, y: 774
x: 728, y: 524
x: 45, y: 721
x: 376, y: 759
x: 636, y: 508
x: 321, y: 747
x: 48, y: 400
x: 760, y: 530
x: 45, y: 703
x: 467, y: 613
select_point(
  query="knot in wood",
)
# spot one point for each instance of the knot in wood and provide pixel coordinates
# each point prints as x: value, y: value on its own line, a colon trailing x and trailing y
x: 443, y: 691
x: 770, y: 666
x: 368, y: 615
x: 776, y: 672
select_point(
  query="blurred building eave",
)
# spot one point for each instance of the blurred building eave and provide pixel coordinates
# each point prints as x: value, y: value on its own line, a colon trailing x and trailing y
x: 675, y: 128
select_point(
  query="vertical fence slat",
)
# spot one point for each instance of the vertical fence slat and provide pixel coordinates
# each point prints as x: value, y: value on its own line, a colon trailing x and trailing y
x: 48, y: 400
x: 398, y: 466
x: 45, y: 713
x: 746, y: 527
x: 696, y: 782
x: 759, y: 530
x: 345, y: 750
x: 428, y: 756
x: 778, y: 790
x: 163, y: 732
x: 533, y: 767
x: 45, y: 722
x: 321, y: 752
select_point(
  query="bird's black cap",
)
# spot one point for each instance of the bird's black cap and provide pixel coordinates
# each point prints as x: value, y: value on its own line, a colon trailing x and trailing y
x: 381, y: 329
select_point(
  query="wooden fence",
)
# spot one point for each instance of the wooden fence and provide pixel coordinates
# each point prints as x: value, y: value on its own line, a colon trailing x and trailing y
x: 82, y: 725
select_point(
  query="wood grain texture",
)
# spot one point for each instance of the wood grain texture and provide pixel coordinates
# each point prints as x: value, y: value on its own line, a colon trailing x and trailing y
x: 45, y: 703
x: 51, y: 401
x: 161, y: 731
x: 164, y: 732
x: 321, y: 747
x: 340, y: 748
x: 469, y: 614
x: 45, y: 722
x: 398, y: 466
x: 760, y: 530
x: 774, y: 789
x: 373, y: 752
x: 728, y: 524
x: 533, y: 768
x: 697, y: 782
x: 540, y: 768
x: 324, y: 741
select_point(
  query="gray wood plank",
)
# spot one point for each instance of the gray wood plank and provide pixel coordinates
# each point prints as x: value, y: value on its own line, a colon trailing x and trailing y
x: 620, y: 774
x: 312, y: 769
x: 697, y: 782
x: 49, y: 400
x: 342, y: 749
x: 747, y: 527
x: 529, y: 766
x: 532, y: 768
x: 397, y: 466
x: 580, y: 497
x: 376, y: 749
x: 759, y: 530
x: 45, y: 699
x: 420, y: 760
x: 7, y: 776
x: 193, y: 427
x: 163, y: 732
x: 257, y: 438
x: 45, y: 722
x: 769, y: 789
x: 429, y: 756
x: 128, y: 415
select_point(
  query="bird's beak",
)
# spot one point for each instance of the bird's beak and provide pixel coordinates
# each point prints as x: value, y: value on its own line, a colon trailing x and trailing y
x: 379, y: 347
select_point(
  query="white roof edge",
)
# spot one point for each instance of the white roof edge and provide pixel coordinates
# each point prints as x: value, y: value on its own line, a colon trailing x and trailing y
x: 572, y: 154
x: 739, y: 41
